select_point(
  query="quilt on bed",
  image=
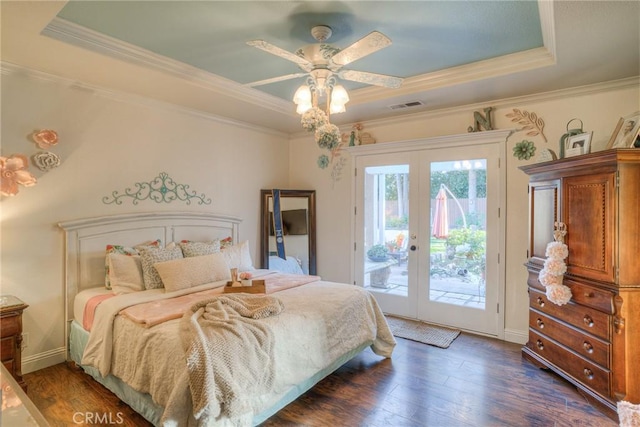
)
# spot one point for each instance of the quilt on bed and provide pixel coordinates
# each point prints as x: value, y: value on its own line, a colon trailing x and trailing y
x: 319, y: 323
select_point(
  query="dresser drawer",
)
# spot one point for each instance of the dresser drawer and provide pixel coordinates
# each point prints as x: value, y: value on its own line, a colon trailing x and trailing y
x: 600, y: 299
x: 582, y: 370
x: 9, y: 325
x: 586, y: 345
x: 588, y: 319
x: 7, y: 348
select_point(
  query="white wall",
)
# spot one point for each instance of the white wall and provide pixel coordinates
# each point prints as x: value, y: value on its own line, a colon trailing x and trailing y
x: 108, y: 142
x: 599, y: 108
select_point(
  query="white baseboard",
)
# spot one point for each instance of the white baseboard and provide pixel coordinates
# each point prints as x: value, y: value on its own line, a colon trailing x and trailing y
x: 43, y: 360
x: 516, y: 336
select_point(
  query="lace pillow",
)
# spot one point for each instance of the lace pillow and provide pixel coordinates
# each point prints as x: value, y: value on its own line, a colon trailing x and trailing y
x: 151, y: 256
x: 238, y: 256
x: 193, y: 271
x: 191, y: 249
x: 123, y: 250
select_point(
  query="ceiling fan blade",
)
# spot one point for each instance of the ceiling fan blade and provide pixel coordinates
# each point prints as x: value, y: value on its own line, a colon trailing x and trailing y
x: 371, y: 78
x: 275, y: 50
x: 275, y: 79
x: 370, y: 43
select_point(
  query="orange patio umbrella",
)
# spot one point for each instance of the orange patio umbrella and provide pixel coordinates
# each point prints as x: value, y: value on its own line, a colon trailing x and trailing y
x: 440, y: 224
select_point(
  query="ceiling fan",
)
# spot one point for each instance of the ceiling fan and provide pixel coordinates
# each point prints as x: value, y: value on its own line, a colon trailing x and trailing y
x: 322, y: 62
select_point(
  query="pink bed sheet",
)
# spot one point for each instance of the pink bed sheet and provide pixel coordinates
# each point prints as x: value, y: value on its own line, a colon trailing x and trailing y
x: 155, y: 312
x: 90, y: 309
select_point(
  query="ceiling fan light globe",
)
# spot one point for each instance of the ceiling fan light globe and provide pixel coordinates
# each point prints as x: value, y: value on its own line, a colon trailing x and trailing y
x: 339, y: 94
x: 335, y: 108
x: 302, y: 95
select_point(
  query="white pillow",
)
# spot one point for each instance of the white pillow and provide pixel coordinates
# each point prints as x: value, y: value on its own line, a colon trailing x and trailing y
x: 125, y: 273
x: 291, y: 265
x: 238, y: 256
x: 192, y: 271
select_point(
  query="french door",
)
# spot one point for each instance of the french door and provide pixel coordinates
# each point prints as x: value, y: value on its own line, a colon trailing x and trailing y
x: 427, y: 234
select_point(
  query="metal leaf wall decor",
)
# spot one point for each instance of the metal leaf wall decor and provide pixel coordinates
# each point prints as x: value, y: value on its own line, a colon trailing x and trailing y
x: 531, y: 123
x: 162, y: 189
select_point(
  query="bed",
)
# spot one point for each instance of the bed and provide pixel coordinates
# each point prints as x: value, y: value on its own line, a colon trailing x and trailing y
x: 188, y: 352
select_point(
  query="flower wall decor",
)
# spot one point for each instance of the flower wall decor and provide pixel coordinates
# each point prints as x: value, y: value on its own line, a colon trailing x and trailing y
x: 13, y: 171
x: 554, y: 267
x: 46, y: 160
x: 45, y: 138
x: 524, y: 150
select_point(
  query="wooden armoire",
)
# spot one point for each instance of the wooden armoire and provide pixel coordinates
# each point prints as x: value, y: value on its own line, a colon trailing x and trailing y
x: 594, y: 340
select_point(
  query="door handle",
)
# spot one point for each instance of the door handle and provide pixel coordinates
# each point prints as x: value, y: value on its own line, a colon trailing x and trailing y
x: 413, y: 247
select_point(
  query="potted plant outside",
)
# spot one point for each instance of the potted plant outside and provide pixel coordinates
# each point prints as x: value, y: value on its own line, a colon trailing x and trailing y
x: 378, y: 253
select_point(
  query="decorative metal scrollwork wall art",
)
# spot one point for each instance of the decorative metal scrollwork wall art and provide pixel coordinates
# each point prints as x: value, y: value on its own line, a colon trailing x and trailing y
x: 162, y: 189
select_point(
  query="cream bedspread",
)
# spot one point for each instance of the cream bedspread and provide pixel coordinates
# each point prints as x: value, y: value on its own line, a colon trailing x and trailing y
x: 321, y: 322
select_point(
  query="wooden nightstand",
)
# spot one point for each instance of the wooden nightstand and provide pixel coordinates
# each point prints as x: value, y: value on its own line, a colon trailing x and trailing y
x: 11, y: 309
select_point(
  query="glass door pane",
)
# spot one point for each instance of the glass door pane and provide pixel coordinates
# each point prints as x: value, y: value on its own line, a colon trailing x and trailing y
x: 386, y: 229
x: 383, y: 259
x: 458, y: 237
x: 458, y: 266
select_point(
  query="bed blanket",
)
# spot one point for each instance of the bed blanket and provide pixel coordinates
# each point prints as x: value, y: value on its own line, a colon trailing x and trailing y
x: 230, y: 356
x: 321, y: 322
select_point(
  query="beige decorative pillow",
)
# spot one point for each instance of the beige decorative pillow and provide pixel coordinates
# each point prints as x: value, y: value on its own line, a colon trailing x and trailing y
x: 238, y: 256
x: 125, y: 273
x: 124, y: 250
x: 151, y: 256
x: 190, y: 249
x: 193, y: 271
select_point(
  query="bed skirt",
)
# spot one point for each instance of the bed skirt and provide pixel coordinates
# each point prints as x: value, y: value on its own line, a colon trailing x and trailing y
x: 144, y: 405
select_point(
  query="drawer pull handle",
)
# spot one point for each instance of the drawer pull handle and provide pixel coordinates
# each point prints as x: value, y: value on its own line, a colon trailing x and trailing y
x: 587, y: 347
x: 589, y: 294
x: 540, y: 323
x: 588, y: 373
x: 540, y: 302
x: 540, y: 345
x: 588, y: 320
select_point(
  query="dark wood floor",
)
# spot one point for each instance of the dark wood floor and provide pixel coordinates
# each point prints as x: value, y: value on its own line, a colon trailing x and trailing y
x: 477, y: 381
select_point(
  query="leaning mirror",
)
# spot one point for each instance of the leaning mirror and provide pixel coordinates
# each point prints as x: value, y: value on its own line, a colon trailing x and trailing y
x: 298, y: 212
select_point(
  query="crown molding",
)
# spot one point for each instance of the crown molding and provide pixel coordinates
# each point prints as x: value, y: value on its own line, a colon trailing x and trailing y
x: 621, y: 84
x: 77, y: 35
x: 7, y: 68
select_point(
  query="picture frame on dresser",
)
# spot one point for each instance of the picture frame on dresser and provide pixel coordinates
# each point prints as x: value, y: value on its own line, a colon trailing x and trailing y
x: 626, y: 132
x: 578, y: 144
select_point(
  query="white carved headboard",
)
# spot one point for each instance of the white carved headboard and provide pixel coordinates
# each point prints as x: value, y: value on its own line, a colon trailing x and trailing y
x: 86, y: 241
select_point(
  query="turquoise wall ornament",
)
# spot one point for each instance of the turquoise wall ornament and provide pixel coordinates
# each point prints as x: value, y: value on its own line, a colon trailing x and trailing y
x: 162, y: 189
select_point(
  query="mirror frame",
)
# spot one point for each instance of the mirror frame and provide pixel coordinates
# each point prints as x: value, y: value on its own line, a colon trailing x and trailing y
x: 265, y: 196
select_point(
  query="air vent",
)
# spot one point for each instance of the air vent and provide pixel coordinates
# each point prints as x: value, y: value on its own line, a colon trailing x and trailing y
x: 406, y: 105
